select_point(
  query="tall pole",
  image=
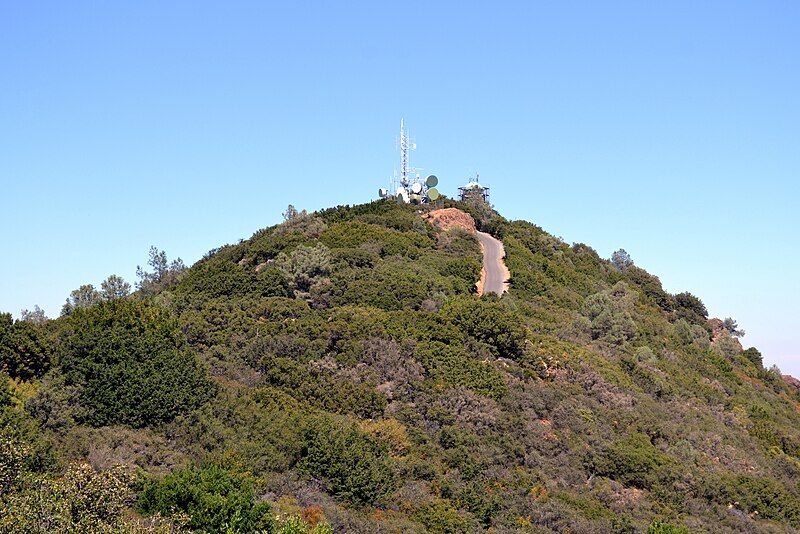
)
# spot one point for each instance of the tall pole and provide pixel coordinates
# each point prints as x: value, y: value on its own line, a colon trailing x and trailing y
x: 403, y: 155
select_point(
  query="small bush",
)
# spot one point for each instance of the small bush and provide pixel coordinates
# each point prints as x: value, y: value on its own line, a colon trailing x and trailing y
x: 213, y: 498
x: 356, y: 467
x: 632, y: 461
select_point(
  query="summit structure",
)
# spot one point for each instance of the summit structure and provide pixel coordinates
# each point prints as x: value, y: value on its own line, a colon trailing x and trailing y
x: 408, y: 187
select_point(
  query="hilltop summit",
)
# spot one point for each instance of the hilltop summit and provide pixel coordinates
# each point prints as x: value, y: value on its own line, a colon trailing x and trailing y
x: 339, y: 372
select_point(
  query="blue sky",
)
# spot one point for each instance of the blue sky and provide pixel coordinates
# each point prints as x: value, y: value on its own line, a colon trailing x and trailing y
x: 669, y: 129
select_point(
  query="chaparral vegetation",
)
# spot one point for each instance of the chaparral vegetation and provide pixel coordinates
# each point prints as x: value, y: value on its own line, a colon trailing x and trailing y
x: 337, y: 373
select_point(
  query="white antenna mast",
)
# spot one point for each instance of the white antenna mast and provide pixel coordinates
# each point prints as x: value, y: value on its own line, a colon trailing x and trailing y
x: 405, y: 146
x: 412, y: 190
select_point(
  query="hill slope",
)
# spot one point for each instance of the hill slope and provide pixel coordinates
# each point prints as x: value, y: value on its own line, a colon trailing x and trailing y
x: 337, y: 369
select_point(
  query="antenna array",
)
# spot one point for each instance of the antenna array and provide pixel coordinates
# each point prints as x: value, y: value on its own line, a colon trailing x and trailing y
x: 411, y: 189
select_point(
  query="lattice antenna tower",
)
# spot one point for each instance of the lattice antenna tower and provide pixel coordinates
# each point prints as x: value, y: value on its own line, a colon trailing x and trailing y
x: 406, y: 146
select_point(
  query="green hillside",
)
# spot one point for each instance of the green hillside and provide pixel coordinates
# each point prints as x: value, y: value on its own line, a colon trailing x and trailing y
x: 337, y: 373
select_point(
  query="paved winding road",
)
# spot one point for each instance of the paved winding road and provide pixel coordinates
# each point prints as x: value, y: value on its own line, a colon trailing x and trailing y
x: 495, y: 273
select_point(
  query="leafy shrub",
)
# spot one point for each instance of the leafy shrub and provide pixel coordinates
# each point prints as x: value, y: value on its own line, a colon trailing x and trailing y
x: 754, y: 494
x: 296, y: 525
x: 128, y: 360
x: 213, y: 498
x: 651, y: 286
x: 610, y: 314
x: 387, y: 288
x: 81, y: 500
x: 659, y: 527
x: 439, y: 516
x: 728, y: 346
x: 218, y: 277
x: 490, y: 323
x: 754, y: 356
x: 389, y: 242
x: 691, y: 308
x: 355, y: 466
x: 12, y: 457
x: 24, y: 352
x: 451, y: 366
x: 631, y: 460
x: 305, y: 265
x: 468, y: 269
x: 322, y: 389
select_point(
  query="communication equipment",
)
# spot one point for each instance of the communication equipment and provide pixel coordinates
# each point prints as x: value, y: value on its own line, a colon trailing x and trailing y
x: 402, y: 193
x: 474, y: 190
x: 408, y: 186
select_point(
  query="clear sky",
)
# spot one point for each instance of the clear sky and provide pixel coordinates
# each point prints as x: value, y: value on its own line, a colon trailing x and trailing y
x: 670, y: 129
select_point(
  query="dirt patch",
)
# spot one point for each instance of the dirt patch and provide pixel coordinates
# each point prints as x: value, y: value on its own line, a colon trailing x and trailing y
x: 449, y: 218
x: 480, y: 283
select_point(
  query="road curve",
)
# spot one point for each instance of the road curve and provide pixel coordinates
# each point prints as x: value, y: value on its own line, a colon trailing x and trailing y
x: 495, y: 274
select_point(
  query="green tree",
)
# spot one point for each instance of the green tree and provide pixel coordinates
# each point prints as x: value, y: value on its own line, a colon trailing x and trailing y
x: 83, y: 297
x: 754, y: 355
x: 291, y: 212
x: 621, y: 260
x: 35, y: 316
x: 691, y: 308
x: 732, y: 327
x: 305, y: 265
x: 163, y: 274
x: 610, y: 314
x: 114, y: 287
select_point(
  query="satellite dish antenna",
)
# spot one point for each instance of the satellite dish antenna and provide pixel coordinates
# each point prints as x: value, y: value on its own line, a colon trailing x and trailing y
x: 402, y: 194
x: 432, y: 181
x: 382, y: 192
x: 416, y: 187
x: 433, y: 193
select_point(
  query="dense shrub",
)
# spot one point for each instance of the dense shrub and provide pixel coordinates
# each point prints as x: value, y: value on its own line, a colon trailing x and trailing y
x: 451, y: 366
x: 387, y: 288
x: 81, y: 500
x: 388, y: 242
x: 213, y: 498
x: 659, y: 527
x: 375, y: 393
x: 322, y: 389
x: 631, y: 460
x: 217, y: 277
x: 490, y: 323
x: 305, y: 265
x: 610, y: 314
x: 691, y: 308
x: 754, y: 355
x: 440, y: 517
x: 354, y: 465
x: 131, y: 366
x: 24, y: 350
x: 767, y: 497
